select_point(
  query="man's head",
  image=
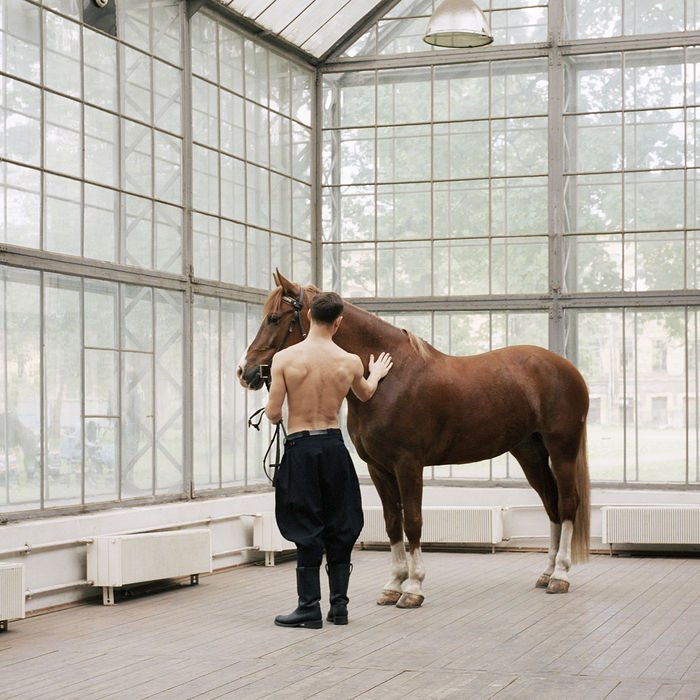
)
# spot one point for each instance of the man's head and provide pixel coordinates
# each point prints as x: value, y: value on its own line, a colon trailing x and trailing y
x: 326, y: 308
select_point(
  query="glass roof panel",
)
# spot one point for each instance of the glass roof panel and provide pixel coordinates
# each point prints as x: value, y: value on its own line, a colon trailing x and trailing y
x: 312, y: 25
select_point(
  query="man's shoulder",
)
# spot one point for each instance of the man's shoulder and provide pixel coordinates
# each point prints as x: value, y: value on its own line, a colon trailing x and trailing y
x: 351, y: 359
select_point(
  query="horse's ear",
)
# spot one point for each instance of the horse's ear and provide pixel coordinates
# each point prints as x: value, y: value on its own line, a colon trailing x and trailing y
x: 276, y: 278
x: 287, y: 286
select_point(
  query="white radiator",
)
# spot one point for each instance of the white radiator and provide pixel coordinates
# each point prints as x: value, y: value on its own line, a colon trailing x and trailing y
x: 442, y: 525
x: 11, y: 593
x: 267, y: 537
x: 659, y: 524
x: 119, y: 560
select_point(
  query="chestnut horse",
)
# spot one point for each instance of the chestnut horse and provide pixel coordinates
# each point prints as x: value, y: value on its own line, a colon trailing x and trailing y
x: 435, y: 409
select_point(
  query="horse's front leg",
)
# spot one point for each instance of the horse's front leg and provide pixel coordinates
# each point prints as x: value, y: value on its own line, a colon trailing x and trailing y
x: 392, y: 591
x: 412, y: 596
x: 411, y: 486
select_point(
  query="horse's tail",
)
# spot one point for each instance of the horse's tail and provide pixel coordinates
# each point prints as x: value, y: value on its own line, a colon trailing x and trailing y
x: 580, y: 541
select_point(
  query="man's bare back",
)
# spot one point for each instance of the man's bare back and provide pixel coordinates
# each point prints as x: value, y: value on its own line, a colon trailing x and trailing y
x: 315, y: 376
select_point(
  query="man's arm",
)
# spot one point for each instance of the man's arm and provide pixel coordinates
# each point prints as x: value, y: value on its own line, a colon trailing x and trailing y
x: 278, y: 390
x: 364, y: 388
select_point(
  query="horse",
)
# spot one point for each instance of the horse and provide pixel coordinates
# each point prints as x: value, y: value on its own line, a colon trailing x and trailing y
x: 433, y: 409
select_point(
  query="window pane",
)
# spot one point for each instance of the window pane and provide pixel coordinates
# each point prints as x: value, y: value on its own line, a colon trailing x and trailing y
x: 138, y: 231
x: 138, y: 158
x: 461, y: 150
x: 63, y: 389
x: 206, y: 449
x: 101, y: 300
x: 62, y: 130
x: 136, y: 85
x: 99, y: 69
x: 461, y: 267
x: 403, y: 96
x: 167, y: 162
x: 403, y: 153
x: 519, y: 206
x: 62, y: 209
x: 20, y: 30
x: 137, y: 424
x: 168, y: 239
x: 137, y: 318
x: 167, y: 100
x: 169, y: 404
x: 101, y: 147
x: 20, y: 205
x: 101, y: 223
x: 20, y: 389
x: 61, y: 54
x: 403, y: 211
x: 461, y: 209
x: 20, y: 118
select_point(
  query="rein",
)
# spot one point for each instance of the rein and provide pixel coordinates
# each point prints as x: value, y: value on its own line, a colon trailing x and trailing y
x: 277, y: 438
x: 266, y: 376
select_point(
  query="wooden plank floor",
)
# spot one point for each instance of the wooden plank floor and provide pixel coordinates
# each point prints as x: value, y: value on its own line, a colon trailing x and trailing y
x: 629, y: 628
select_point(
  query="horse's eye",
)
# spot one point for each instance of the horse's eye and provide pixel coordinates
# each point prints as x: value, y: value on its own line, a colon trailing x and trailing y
x: 273, y: 319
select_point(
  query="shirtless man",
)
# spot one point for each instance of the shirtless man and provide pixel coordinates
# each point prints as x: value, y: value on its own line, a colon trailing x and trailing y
x: 317, y: 494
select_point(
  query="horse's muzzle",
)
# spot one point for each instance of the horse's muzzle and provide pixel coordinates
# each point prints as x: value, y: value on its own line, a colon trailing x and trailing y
x: 251, y: 377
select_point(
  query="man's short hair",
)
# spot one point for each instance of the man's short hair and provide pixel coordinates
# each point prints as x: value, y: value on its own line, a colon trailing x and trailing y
x: 326, y: 307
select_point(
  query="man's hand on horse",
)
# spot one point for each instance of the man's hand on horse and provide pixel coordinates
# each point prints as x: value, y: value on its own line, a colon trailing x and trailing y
x: 380, y: 368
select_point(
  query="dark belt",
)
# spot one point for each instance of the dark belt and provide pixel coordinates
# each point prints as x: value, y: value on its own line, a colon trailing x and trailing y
x: 310, y: 433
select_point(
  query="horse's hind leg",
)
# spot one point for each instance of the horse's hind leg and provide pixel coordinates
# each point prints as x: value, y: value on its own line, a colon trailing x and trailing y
x: 388, y: 490
x: 534, y: 459
x: 564, y: 468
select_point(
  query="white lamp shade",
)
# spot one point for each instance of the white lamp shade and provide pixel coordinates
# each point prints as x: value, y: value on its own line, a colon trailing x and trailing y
x: 458, y: 24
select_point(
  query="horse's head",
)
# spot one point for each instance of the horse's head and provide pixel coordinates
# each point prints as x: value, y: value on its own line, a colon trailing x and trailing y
x: 284, y: 323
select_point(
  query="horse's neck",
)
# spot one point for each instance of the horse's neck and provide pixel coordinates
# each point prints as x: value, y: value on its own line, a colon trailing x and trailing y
x: 362, y: 333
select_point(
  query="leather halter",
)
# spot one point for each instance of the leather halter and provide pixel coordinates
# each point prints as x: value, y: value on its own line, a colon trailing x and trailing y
x: 298, y: 305
x: 280, y: 431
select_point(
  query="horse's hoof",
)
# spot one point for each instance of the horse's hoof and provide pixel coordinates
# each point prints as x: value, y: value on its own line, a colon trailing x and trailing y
x: 388, y: 597
x: 543, y: 581
x: 410, y: 600
x: 557, y: 585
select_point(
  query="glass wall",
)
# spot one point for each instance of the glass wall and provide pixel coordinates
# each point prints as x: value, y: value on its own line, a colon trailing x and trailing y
x: 251, y: 185
x: 92, y: 133
x: 533, y: 193
x: 143, y: 206
x: 428, y: 192
x: 92, y: 379
x: 153, y: 174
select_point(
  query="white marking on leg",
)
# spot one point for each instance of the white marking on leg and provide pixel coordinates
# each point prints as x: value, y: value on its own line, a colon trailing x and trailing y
x: 399, y: 567
x: 563, y: 559
x: 554, y: 535
x: 416, y: 573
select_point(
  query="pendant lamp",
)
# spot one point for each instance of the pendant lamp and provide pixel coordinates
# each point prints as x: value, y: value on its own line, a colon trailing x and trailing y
x: 458, y: 24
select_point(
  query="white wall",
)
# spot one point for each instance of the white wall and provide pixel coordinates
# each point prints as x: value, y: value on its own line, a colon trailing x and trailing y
x: 525, y: 525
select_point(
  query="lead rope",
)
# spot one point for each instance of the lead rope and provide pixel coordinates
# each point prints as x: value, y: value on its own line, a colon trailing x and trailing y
x: 278, y: 437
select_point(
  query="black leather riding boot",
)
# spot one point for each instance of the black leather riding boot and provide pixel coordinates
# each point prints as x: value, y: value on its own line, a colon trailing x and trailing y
x: 338, y: 578
x: 308, y: 612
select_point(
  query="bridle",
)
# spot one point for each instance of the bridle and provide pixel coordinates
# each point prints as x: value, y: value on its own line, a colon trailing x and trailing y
x: 280, y: 433
x: 298, y: 305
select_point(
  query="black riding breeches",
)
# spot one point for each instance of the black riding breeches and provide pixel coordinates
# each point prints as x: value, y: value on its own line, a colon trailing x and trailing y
x: 317, y: 498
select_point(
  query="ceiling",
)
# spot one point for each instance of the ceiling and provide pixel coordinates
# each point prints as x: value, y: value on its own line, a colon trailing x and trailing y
x: 314, y: 26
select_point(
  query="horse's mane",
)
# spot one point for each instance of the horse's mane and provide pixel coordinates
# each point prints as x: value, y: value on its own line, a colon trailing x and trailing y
x: 418, y: 344
x: 273, y: 303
